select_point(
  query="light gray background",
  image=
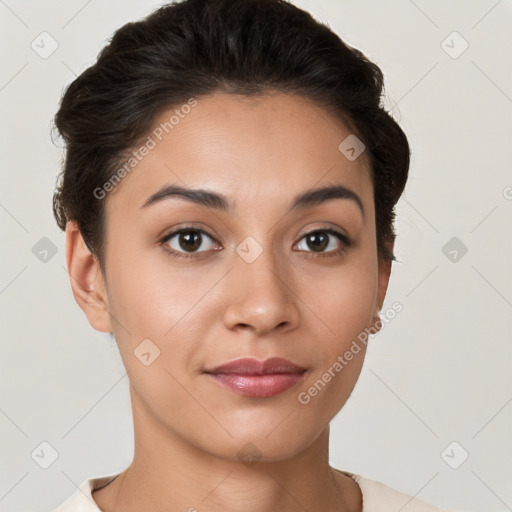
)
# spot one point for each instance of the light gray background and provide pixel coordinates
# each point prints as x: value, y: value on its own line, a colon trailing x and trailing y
x: 439, y: 372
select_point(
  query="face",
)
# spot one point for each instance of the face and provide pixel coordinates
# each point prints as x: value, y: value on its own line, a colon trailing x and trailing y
x: 249, y: 276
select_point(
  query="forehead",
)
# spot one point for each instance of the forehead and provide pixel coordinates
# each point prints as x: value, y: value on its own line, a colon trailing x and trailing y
x: 254, y: 150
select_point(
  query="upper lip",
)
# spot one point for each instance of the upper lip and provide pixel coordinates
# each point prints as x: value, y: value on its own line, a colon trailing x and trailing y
x: 251, y: 366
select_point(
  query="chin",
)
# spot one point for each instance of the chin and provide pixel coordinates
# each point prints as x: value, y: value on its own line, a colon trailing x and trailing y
x: 251, y: 443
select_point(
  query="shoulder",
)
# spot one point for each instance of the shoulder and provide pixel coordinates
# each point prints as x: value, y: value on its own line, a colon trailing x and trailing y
x: 378, y: 497
x: 81, y: 500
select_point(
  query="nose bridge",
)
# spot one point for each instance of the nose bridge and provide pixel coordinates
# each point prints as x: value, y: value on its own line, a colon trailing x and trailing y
x: 260, y: 267
x: 263, y: 295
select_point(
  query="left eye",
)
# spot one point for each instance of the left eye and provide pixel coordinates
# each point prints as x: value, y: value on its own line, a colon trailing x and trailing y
x: 321, y: 240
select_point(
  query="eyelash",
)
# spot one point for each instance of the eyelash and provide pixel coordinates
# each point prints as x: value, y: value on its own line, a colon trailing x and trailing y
x: 346, y: 243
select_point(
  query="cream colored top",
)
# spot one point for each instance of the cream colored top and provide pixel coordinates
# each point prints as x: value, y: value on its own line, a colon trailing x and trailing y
x: 377, y: 497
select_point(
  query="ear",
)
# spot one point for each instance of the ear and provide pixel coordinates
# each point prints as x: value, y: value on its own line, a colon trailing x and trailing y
x: 382, y: 285
x: 87, y: 280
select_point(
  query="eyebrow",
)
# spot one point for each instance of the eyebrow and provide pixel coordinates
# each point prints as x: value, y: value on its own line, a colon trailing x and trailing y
x: 220, y: 202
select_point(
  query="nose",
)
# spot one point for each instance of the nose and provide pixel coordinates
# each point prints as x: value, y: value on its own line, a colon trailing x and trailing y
x: 262, y: 295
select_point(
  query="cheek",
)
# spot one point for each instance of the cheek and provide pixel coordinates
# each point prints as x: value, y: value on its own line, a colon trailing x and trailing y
x: 344, y: 298
x: 344, y: 305
x: 148, y: 293
x: 171, y: 305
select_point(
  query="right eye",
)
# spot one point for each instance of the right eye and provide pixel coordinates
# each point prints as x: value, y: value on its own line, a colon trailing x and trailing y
x: 186, y: 242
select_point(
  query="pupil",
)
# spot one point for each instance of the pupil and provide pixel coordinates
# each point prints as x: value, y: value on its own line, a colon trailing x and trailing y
x: 317, y: 241
x: 190, y: 240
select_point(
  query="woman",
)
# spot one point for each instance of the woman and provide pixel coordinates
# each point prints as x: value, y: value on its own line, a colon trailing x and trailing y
x: 228, y: 199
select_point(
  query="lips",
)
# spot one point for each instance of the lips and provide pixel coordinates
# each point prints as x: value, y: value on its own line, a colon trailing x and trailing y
x: 258, y: 379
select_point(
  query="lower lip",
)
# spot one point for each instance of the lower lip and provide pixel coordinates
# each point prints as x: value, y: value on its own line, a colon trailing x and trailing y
x: 258, y: 386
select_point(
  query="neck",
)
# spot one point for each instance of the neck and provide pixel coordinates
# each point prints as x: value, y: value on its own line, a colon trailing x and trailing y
x: 167, y: 473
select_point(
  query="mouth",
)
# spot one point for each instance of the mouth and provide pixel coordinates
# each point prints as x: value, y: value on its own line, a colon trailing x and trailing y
x: 258, y: 379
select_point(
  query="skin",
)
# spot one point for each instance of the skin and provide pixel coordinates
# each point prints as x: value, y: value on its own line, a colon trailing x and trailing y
x: 201, y: 312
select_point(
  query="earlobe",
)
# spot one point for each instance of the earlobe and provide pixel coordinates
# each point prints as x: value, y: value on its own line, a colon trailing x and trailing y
x: 86, y: 279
